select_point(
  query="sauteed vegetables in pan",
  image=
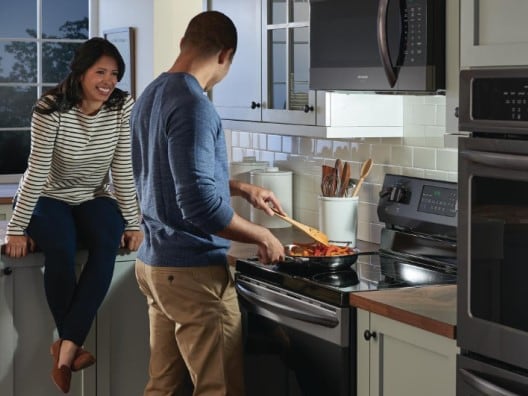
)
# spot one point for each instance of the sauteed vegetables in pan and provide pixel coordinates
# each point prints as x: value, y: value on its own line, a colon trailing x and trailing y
x: 319, y: 250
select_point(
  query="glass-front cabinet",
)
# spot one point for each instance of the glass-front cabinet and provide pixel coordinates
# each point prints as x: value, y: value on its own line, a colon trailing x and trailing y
x: 286, y: 62
x: 268, y: 80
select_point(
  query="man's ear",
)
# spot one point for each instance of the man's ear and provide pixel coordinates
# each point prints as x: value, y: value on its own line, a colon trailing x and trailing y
x: 225, y: 55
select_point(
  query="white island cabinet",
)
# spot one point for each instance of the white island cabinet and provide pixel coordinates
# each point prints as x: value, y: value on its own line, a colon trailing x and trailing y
x: 118, y: 338
x: 395, y: 359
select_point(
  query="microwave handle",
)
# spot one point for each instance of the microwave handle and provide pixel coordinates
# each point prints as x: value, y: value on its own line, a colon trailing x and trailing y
x: 383, y: 42
x: 497, y: 160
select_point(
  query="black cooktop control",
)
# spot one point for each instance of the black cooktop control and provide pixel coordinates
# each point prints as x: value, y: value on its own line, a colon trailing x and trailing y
x: 420, y: 205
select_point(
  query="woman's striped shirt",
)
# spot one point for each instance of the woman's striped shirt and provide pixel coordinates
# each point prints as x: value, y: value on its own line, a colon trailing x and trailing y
x: 73, y: 158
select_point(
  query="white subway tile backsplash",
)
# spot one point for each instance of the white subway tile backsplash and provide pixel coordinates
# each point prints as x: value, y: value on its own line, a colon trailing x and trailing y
x: 260, y: 141
x: 244, y: 139
x: 401, y: 155
x: 274, y: 143
x: 424, y: 158
x: 307, y: 146
x: 287, y: 144
x: 419, y: 153
x: 447, y: 160
x: 323, y: 148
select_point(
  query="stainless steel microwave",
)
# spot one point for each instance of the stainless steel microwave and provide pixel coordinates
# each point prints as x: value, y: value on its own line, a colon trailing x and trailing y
x: 383, y: 45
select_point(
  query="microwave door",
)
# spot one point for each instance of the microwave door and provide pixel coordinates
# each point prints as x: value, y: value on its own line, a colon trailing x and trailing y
x: 383, y: 35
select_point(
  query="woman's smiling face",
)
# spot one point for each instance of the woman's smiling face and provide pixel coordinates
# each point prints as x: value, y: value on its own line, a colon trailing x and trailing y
x: 99, y: 80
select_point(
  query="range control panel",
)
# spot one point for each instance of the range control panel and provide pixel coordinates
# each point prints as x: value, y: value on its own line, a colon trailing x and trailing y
x: 421, y: 205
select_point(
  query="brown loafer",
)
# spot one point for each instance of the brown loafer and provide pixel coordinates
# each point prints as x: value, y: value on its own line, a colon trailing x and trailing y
x: 82, y: 359
x: 61, y: 376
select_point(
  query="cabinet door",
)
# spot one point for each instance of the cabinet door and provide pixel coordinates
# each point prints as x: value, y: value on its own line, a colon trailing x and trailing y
x: 27, y: 331
x: 493, y: 33
x: 5, y: 212
x: 405, y: 360
x: 412, y: 361
x: 123, y: 335
x: 286, y: 97
x: 238, y: 95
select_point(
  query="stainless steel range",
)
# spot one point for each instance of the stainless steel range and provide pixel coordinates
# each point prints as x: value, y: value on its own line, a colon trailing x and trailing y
x: 299, y: 326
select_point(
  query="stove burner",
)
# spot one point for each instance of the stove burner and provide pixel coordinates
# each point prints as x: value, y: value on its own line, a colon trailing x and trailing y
x: 338, y: 278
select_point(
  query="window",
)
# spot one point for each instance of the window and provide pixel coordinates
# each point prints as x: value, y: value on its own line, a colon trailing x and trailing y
x: 37, y: 42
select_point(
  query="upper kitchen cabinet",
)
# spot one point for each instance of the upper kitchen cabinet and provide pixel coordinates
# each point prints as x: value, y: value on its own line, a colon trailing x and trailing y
x: 239, y: 95
x: 267, y: 88
x: 493, y: 33
x: 268, y: 80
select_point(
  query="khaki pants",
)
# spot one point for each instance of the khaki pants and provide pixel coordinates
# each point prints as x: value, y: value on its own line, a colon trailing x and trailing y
x: 195, y: 330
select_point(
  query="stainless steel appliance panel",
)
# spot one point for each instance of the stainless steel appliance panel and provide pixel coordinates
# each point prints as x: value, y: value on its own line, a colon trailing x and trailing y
x: 493, y: 249
x: 368, y: 45
x: 479, y: 378
x: 494, y: 102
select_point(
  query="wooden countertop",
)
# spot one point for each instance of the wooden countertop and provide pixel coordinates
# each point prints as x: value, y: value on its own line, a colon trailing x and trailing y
x: 7, y: 192
x: 431, y: 308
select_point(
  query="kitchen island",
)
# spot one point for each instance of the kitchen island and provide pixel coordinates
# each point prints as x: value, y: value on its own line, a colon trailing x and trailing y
x: 119, y: 337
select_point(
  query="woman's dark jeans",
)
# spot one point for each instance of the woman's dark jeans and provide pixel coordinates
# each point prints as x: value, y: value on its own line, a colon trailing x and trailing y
x: 57, y: 228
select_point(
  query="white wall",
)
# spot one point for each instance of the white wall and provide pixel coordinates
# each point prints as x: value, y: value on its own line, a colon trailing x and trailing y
x: 172, y: 17
x: 139, y: 15
x: 159, y: 26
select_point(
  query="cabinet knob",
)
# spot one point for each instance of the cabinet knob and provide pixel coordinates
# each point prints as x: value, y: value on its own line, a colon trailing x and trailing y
x: 6, y: 271
x: 369, y: 334
x: 254, y: 105
x: 308, y: 108
x: 456, y: 112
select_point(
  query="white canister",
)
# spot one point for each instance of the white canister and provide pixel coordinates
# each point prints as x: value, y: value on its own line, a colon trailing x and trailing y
x: 280, y: 182
x: 240, y: 171
x: 338, y: 219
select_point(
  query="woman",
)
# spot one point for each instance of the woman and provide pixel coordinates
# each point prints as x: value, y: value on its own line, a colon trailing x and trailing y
x: 80, y: 138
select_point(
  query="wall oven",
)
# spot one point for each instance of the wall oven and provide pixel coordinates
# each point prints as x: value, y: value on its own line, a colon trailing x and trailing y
x: 492, y: 325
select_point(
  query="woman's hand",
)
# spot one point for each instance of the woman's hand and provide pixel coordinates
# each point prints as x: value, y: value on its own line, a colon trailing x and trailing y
x: 18, y: 245
x: 131, y: 240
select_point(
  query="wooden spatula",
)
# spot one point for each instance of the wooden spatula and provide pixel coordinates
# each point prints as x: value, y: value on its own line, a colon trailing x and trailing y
x: 363, y: 173
x: 313, y: 233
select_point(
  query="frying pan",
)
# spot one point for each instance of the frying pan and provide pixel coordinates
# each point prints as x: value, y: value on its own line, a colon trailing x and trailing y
x: 328, y: 263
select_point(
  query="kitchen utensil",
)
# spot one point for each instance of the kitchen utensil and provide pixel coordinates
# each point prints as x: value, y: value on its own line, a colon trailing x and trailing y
x: 338, y: 172
x: 365, y: 170
x: 311, y: 232
x: 345, y: 177
x: 328, y: 184
x: 327, y: 173
x: 330, y: 263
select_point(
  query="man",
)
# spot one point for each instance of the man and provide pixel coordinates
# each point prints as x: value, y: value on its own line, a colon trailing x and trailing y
x: 181, y: 173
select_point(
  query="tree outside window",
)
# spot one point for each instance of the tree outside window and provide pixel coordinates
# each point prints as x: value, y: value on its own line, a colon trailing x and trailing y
x: 38, y: 39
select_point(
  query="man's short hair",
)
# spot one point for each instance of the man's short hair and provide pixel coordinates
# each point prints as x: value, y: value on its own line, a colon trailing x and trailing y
x: 210, y: 32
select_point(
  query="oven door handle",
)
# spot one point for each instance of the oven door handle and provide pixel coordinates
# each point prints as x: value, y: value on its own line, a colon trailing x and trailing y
x: 281, y: 309
x: 497, y: 160
x: 486, y: 387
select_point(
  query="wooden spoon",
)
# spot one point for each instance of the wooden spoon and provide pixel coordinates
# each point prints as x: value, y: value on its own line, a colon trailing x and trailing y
x: 313, y: 233
x: 365, y: 170
x: 345, y: 177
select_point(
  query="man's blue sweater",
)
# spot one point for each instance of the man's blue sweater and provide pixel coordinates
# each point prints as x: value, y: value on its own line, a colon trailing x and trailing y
x: 181, y: 173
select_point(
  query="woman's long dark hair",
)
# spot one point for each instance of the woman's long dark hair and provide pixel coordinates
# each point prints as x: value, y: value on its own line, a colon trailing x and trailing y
x: 69, y: 93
